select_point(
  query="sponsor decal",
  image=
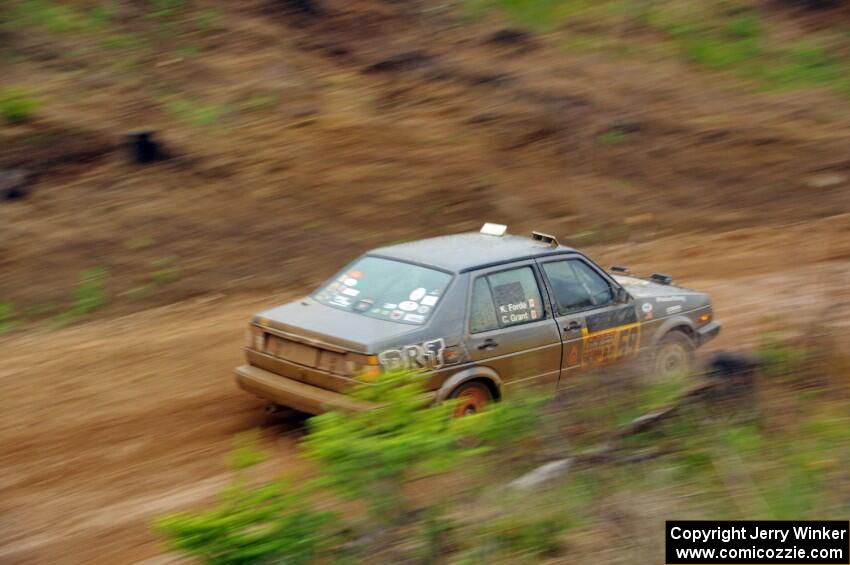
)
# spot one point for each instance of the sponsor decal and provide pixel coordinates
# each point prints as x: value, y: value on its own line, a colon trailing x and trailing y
x: 429, y: 300
x: 417, y: 294
x: 375, y: 311
x: 341, y: 300
x: 611, y: 345
x: 396, y: 315
x: 670, y: 299
x: 674, y: 309
x: 423, y: 309
x: 435, y: 292
x: 611, y: 319
x: 390, y: 306
x: 408, y: 306
x: 648, y: 316
x: 428, y: 355
x: 417, y: 318
x: 333, y: 286
x: 512, y: 304
x: 355, y: 275
x: 572, y: 357
x: 350, y: 291
x: 350, y: 281
x: 646, y: 307
x: 364, y: 305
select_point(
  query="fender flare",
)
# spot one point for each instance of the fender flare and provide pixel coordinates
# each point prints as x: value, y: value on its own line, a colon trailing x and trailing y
x: 669, y: 324
x: 467, y: 375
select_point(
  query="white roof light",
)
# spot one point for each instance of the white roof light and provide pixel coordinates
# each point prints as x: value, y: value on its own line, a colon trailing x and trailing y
x: 494, y: 229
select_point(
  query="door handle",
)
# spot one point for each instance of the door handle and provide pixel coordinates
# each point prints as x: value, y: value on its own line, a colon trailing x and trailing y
x: 488, y: 344
x: 574, y: 325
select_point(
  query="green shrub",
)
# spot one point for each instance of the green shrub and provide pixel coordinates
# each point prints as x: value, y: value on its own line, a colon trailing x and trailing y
x: 780, y: 357
x: 369, y: 455
x: 89, y: 295
x: 7, y: 317
x: 264, y: 524
x: 17, y: 105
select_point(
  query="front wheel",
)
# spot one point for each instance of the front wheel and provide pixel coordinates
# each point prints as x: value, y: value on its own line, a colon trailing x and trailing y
x: 471, y: 398
x: 674, y: 356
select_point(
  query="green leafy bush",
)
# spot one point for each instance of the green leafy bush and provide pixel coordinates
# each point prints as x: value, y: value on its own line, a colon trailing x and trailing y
x: 89, y: 295
x: 17, y: 105
x: 271, y: 522
x: 369, y: 455
x: 7, y: 317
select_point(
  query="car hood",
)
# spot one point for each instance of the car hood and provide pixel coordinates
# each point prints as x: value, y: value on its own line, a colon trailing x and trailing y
x: 642, y: 288
x: 331, y: 326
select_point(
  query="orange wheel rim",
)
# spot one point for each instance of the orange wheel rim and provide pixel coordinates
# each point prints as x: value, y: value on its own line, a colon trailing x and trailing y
x: 470, y: 401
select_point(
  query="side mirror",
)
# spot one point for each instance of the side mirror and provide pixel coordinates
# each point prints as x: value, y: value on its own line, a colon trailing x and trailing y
x: 622, y: 296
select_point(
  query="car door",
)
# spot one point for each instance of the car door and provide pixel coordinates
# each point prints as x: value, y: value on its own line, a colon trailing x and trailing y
x: 510, y: 326
x: 596, y: 328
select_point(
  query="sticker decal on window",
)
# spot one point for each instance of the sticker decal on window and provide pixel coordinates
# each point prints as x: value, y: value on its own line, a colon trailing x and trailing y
x: 512, y: 304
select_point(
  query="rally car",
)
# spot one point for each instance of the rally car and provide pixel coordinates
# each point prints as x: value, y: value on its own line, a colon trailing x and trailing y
x: 480, y: 314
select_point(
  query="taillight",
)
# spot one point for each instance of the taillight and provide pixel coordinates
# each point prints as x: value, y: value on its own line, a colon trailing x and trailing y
x: 254, y: 338
x: 367, y: 368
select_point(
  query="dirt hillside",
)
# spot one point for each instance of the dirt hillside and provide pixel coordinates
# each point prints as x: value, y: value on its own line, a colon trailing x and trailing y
x: 297, y: 141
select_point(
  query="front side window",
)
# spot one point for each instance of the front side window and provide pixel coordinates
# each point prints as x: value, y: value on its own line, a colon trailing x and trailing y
x: 386, y: 289
x: 576, y: 286
x: 504, y: 299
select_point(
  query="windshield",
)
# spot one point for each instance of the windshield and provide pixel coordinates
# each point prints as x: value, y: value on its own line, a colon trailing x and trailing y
x: 386, y: 289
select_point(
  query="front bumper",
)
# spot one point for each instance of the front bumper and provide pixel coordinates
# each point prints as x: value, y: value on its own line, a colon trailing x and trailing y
x: 295, y: 394
x: 708, y: 332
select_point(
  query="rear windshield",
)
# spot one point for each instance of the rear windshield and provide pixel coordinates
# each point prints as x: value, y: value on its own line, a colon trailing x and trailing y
x: 386, y: 289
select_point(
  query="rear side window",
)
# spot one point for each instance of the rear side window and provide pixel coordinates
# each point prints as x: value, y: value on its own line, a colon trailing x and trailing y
x: 504, y: 299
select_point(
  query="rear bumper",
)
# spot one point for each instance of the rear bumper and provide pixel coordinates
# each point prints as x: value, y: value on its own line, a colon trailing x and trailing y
x: 708, y: 332
x: 294, y: 394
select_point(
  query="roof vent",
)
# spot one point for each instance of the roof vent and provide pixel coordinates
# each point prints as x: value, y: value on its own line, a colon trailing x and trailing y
x: 661, y: 278
x: 494, y: 229
x: 545, y: 238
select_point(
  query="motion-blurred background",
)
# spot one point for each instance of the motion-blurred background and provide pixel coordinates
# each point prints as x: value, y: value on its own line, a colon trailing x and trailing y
x: 707, y: 139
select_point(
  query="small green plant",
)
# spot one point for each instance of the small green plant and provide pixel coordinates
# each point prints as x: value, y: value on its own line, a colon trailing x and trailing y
x: 17, y: 105
x: 612, y: 136
x: 165, y: 270
x: 269, y: 523
x: 780, y: 357
x: 89, y: 295
x: 370, y: 455
x: 7, y: 317
x: 163, y: 9
x: 207, y: 21
x: 138, y: 243
x: 196, y: 114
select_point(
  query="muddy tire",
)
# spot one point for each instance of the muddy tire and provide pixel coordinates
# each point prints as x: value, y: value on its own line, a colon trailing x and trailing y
x: 471, y: 398
x: 673, y: 357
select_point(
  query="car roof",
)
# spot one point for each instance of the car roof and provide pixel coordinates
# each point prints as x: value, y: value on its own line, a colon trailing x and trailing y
x: 467, y: 251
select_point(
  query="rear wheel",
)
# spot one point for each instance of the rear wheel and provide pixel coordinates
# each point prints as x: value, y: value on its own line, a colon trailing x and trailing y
x: 674, y: 356
x: 471, y: 398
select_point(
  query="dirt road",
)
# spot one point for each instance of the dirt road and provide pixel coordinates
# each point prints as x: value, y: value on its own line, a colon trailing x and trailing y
x: 106, y: 425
